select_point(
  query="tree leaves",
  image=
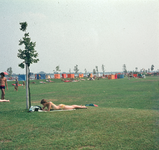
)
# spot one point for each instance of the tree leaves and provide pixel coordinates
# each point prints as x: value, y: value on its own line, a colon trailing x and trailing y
x: 21, y: 65
x: 76, y: 69
x: 23, y: 26
x: 9, y: 70
x: 29, y: 53
x: 152, y: 67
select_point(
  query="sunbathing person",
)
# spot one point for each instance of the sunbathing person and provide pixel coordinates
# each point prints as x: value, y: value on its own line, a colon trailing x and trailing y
x: 51, y: 105
x: 50, y: 80
x: 83, y: 79
x: 3, y: 100
x: 42, y: 82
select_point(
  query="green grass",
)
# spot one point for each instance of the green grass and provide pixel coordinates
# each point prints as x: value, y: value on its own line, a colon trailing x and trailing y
x: 127, y: 116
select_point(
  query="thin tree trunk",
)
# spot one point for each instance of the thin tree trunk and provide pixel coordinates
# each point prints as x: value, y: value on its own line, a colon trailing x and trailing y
x: 27, y: 102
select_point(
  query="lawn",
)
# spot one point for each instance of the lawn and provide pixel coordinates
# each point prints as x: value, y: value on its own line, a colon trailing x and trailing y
x: 127, y: 116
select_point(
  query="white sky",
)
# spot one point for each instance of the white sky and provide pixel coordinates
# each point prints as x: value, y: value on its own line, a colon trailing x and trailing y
x: 88, y: 33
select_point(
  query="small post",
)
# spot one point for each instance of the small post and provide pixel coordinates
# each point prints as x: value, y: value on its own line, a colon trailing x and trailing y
x: 27, y: 102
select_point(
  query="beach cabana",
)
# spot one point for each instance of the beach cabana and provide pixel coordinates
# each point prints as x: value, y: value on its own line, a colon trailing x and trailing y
x: 57, y: 76
x: 80, y: 75
x: 91, y: 75
x: 40, y: 76
x: 135, y: 75
x: 121, y: 75
x: 140, y: 75
x: 21, y: 77
x: 64, y: 76
x: 111, y: 76
x: 47, y: 77
x: 70, y: 75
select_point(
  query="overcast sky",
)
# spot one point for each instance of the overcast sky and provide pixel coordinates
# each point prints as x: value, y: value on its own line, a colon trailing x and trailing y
x: 88, y: 33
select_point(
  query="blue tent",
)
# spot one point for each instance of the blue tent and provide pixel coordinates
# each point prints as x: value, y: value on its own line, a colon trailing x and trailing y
x: 118, y: 76
x: 21, y: 77
x: 41, y: 76
x: 121, y: 76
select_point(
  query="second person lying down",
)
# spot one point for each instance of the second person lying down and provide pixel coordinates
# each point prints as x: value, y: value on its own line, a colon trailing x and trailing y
x: 51, y: 105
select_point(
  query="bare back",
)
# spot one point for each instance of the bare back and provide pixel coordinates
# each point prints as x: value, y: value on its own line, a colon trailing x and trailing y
x: 3, y: 81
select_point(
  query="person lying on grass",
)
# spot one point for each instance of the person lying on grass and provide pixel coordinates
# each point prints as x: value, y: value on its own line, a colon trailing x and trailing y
x: 4, y: 100
x: 50, y: 80
x: 51, y: 105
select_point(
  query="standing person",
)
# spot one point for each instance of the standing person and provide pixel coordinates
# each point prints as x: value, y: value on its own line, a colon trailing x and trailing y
x: 3, y: 82
x: 23, y: 84
x: 16, y: 84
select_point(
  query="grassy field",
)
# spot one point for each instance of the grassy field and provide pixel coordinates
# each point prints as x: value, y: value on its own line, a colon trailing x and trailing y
x: 127, y: 116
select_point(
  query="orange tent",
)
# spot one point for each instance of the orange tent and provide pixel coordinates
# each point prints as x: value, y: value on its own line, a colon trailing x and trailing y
x: 91, y: 75
x: 63, y: 75
x: 80, y: 75
x: 111, y: 76
x: 70, y: 75
x: 57, y: 76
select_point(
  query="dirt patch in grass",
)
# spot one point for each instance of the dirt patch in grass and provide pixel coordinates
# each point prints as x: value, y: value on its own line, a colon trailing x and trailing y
x: 86, y: 147
x: 5, y: 141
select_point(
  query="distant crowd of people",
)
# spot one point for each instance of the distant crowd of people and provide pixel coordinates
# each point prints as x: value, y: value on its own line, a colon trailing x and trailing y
x: 4, y: 85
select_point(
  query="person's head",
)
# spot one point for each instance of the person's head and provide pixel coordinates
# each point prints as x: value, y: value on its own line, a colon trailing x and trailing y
x: 43, y: 102
x: 2, y: 74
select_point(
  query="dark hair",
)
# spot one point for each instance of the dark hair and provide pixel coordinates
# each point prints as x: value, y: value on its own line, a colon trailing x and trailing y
x: 43, y: 101
x: 2, y: 74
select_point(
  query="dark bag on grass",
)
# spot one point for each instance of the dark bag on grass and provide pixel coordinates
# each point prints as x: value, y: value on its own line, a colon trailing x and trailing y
x: 34, y: 108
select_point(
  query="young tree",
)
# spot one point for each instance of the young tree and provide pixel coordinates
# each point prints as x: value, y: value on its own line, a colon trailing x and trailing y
x: 9, y: 70
x: 29, y: 55
x: 103, y: 69
x: 152, y: 67
x: 97, y: 69
x: 124, y: 69
x: 94, y: 71
x: 57, y: 69
x: 69, y: 70
x: 76, y: 69
x: 85, y: 71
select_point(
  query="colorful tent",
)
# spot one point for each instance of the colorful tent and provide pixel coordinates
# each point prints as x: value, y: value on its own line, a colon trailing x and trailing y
x: 40, y: 76
x: 21, y: 77
x: 80, y: 75
x: 135, y: 75
x: 64, y: 76
x: 57, y: 76
x: 121, y: 76
x: 70, y: 75
x: 111, y: 76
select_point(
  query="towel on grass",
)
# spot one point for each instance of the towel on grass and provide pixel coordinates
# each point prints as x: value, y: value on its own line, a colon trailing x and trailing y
x: 91, y: 105
x: 55, y: 110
